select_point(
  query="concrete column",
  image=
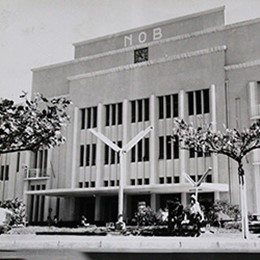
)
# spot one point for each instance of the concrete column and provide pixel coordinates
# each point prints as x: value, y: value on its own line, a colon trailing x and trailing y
x: 256, y: 172
x: 97, y: 216
x: 254, y: 111
x: 154, y: 201
x: 153, y: 140
x: 75, y: 148
x: 125, y: 140
x: 213, y: 110
x: 252, y: 99
x: 183, y: 154
x: 26, y: 183
x: 99, y: 161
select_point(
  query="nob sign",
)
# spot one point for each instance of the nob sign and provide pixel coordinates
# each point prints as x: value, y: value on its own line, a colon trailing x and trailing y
x: 142, y: 37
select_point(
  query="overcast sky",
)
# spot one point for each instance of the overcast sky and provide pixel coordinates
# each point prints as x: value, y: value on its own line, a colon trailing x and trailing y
x: 35, y: 33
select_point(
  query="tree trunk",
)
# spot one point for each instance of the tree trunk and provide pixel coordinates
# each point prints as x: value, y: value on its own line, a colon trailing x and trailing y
x: 243, y: 199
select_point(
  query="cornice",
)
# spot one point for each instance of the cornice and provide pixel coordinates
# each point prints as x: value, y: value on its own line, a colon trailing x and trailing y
x: 185, y: 55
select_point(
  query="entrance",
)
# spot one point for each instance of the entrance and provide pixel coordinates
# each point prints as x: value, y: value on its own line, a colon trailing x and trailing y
x: 86, y: 207
x: 135, y: 199
x: 168, y: 197
x: 109, y: 208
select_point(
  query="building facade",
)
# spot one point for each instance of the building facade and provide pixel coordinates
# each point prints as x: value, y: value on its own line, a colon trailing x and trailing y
x: 194, y: 67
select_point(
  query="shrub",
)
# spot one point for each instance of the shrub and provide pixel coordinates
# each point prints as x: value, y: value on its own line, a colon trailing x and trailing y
x: 18, y: 209
x: 230, y: 211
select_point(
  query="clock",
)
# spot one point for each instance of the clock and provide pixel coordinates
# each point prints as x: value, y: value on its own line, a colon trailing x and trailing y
x: 141, y: 55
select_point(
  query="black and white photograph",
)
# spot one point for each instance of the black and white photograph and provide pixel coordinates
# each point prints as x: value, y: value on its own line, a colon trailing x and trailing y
x: 130, y: 129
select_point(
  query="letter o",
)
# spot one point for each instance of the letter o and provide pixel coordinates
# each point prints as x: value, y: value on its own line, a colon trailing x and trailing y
x: 142, y: 37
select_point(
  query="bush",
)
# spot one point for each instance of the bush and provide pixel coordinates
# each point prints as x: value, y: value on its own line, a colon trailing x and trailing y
x: 221, y: 212
x: 18, y: 209
x: 146, y: 217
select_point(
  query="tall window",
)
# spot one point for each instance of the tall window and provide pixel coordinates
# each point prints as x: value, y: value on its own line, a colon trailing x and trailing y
x: 198, y: 102
x: 140, y: 110
x: 110, y: 156
x: 87, y: 155
x: 4, y: 174
x: 168, y: 148
x: 114, y: 114
x: 88, y: 117
x: 140, y: 152
x: 168, y: 106
x: 18, y: 162
x: 41, y: 161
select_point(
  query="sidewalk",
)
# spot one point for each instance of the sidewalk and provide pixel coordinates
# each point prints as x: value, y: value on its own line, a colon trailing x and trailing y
x: 207, y: 242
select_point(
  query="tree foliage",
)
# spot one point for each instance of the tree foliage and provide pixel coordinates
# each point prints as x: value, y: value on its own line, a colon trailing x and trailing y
x: 33, y: 124
x: 231, y: 142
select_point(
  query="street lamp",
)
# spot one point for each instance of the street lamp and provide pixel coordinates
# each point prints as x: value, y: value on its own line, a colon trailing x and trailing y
x: 196, y: 184
x: 122, y: 158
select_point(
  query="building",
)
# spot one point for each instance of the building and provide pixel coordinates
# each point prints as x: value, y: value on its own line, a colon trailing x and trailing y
x: 194, y: 67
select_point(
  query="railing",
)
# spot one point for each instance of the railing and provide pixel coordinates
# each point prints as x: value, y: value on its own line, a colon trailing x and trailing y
x: 35, y: 173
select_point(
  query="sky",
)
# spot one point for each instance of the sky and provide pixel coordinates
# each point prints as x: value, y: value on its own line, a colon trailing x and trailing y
x: 35, y: 33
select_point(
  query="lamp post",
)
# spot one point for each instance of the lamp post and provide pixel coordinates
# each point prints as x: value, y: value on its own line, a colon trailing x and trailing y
x: 196, y: 184
x: 122, y: 159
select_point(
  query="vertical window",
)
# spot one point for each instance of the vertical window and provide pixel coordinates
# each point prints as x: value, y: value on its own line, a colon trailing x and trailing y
x: 190, y: 103
x: 168, y: 147
x: 82, y: 112
x: 175, y: 105
x: 107, y: 114
x: 139, y: 151
x: 119, y: 113
x: 18, y: 162
x: 6, y: 172
x: 206, y: 100
x: 168, y: 106
x: 161, y: 147
x: 81, y: 156
x: 113, y: 114
x: 176, y: 147
x: 146, y: 109
x: 146, y: 149
x: 112, y: 156
x: 133, y: 154
x: 89, y: 117
x: 133, y: 112
x: 93, y: 154
x: 198, y: 102
x: 35, y: 159
x: 41, y: 159
x: 2, y: 173
x: 94, y: 117
x: 106, y: 154
x: 161, y: 110
x: 140, y: 110
x: 87, y: 155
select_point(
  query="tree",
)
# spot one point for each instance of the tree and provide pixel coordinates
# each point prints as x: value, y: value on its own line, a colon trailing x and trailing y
x: 233, y: 143
x: 32, y: 125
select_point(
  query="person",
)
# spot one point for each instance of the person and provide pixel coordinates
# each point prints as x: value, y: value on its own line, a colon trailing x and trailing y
x: 120, y: 224
x: 84, y: 222
x: 195, y: 210
x: 55, y: 221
